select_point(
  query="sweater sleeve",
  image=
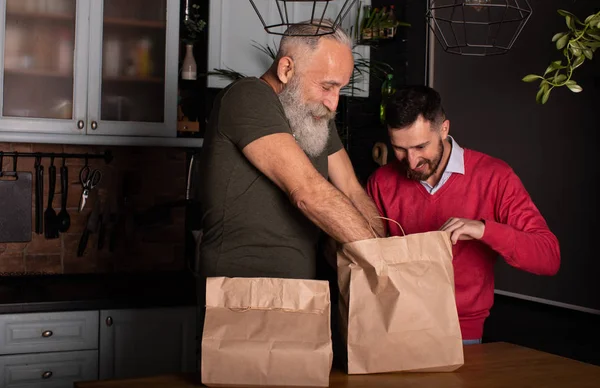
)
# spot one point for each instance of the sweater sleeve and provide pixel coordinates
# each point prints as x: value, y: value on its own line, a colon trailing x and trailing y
x: 520, y: 233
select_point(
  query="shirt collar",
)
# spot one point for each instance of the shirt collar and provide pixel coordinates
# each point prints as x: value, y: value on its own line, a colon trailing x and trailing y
x: 456, y: 161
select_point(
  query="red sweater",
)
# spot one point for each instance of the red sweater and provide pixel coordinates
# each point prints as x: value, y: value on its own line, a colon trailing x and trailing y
x: 489, y: 191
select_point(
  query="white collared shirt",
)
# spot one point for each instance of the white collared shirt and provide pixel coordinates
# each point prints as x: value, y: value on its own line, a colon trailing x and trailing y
x: 456, y: 165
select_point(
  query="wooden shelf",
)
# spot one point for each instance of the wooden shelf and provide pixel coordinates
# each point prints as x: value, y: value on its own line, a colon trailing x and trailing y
x: 37, y: 73
x: 135, y: 23
x: 41, y: 15
x: 153, y: 80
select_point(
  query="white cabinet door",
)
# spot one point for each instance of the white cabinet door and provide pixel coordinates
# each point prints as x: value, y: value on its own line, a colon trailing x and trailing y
x: 43, y: 65
x: 235, y: 28
x: 134, y: 49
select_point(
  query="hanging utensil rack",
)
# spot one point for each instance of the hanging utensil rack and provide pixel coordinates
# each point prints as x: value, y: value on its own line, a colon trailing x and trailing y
x: 107, y: 155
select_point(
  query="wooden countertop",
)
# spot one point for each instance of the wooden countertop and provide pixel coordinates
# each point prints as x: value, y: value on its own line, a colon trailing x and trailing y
x: 492, y: 365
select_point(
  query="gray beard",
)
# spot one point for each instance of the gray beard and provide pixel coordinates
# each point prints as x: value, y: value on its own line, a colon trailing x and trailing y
x: 311, y: 135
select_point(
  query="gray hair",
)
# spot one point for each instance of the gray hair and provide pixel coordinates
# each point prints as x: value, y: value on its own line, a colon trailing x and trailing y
x: 303, y: 35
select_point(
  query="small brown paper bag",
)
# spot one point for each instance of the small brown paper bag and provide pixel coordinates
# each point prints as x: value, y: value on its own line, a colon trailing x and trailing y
x: 266, y: 331
x: 398, y: 306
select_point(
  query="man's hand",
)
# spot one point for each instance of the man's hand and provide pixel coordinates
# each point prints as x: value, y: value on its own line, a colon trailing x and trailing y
x: 463, y: 229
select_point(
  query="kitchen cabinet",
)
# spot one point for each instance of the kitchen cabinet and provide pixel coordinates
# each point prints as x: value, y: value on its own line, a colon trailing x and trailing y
x: 145, y: 342
x: 49, y: 350
x: 88, y: 71
x: 235, y: 29
x: 55, y: 349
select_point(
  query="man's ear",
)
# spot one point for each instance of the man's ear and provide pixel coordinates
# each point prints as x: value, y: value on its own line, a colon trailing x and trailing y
x: 445, y: 129
x: 285, y: 69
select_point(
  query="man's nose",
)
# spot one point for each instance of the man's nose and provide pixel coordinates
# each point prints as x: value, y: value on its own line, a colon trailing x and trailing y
x: 413, y: 160
x: 331, y: 102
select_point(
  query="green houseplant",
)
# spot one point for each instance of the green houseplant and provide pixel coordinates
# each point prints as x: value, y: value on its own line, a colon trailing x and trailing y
x: 577, y: 45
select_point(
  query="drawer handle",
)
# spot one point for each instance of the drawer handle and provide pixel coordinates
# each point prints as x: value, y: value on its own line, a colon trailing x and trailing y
x: 47, y: 374
x: 109, y: 321
x: 47, y: 333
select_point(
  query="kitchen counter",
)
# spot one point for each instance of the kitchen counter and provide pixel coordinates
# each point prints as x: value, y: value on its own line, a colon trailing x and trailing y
x: 488, y: 365
x: 47, y: 293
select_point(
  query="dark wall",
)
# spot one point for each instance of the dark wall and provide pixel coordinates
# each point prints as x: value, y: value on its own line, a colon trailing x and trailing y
x: 551, y: 147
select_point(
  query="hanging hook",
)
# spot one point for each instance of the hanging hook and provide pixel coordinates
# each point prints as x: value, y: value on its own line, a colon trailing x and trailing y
x: 1, y: 162
x: 86, y: 160
x: 64, y: 161
x: 16, y: 155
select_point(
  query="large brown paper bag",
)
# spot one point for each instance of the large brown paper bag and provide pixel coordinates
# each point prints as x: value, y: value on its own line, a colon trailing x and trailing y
x: 266, y: 331
x: 397, y: 304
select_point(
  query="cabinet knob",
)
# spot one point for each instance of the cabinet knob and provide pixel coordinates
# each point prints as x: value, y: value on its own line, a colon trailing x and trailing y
x: 94, y: 125
x: 109, y: 321
x: 80, y: 124
x: 47, y: 333
x: 47, y: 374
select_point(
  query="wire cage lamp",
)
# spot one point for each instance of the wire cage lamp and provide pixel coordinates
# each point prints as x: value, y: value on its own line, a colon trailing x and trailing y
x: 318, y: 10
x: 477, y: 27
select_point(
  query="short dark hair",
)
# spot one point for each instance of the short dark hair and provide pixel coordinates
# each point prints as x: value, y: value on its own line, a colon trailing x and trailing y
x: 410, y: 102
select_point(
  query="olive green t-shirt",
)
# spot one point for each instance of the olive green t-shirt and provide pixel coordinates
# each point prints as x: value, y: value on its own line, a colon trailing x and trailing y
x: 250, y: 227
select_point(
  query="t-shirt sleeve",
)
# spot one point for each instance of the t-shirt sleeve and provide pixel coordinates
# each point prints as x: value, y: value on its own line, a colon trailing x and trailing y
x: 334, y: 143
x: 251, y: 110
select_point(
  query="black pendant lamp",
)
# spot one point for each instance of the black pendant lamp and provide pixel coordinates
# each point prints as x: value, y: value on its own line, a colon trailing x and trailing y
x: 318, y: 10
x: 477, y: 27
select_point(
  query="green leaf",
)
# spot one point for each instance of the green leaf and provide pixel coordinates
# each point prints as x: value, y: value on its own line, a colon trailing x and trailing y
x: 575, y: 51
x: 558, y: 78
x: 546, y: 96
x: 538, y: 96
x: 589, y: 18
x: 575, y: 88
x: 569, y: 21
x: 562, y: 42
x: 570, y: 82
x: 558, y: 36
x: 562, y: 12
x: 531, y: 78
x: 553, y: 66
x: 588, y: 54
x: 595, y: 36
x: 578, y: 62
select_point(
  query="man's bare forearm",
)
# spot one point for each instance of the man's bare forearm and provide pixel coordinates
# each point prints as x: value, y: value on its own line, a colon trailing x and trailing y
x: 365, y: 205
x: 333, y: 212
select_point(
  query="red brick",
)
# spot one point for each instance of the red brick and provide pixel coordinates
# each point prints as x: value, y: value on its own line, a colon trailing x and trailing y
x: 50, y: 264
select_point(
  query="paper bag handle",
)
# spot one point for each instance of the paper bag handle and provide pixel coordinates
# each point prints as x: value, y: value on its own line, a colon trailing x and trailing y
x: 389, y: 219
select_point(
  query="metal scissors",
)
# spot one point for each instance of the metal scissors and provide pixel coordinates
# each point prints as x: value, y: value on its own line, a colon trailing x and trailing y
x: 89, y: 179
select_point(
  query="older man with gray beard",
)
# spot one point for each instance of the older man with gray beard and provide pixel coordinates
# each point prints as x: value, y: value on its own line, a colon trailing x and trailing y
x: 274, y: 171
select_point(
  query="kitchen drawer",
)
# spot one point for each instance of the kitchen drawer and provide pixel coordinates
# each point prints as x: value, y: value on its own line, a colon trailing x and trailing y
x: 48, y: 370
x: 48, y: 332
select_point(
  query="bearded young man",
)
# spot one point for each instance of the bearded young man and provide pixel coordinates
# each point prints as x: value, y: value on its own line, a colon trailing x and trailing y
x: 273, y: 168
x: 434, y: 184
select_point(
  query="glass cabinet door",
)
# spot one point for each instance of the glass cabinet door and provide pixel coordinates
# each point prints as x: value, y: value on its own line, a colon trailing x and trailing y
x: 38, y: 55
x: 133, y: 88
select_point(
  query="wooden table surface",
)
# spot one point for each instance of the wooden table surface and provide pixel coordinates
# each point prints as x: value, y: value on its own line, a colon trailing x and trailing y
x: 486, y: 366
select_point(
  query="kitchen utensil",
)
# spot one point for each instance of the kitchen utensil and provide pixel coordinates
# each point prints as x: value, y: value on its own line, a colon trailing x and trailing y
x: 91, y: 227
x: 15, y: 204
x: 63, y: 219
x: 50, y: 225
x: 39, y: 196
x: 89, y: 179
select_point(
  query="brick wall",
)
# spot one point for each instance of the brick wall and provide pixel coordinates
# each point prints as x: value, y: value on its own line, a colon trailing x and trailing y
x: 145, y: 241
